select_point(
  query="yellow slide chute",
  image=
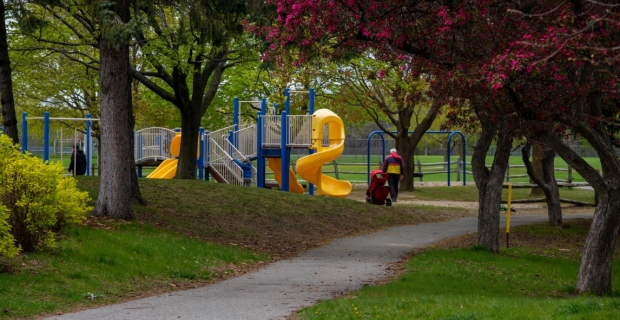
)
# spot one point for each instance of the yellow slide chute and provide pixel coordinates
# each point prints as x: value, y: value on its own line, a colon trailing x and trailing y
x: 168, y: 168
x: 275, y: 164
x: 310, y: 167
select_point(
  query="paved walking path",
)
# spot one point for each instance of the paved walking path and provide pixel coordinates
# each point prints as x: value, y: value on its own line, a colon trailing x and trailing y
x: 289, y: 285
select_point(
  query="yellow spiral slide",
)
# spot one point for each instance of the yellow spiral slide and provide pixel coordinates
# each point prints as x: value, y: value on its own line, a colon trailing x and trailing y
x: 310, y: 167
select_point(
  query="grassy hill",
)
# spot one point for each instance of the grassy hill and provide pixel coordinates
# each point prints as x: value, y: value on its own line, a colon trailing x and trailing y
x: 191, y: 233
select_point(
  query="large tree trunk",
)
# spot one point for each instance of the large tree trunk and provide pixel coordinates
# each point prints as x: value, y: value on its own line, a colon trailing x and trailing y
x: 596, y: 262
x: 598, y: 252
x: 406, y: 146
x: 489, y: 182
x: 548, y: 185
x: 115, y: 190
x: 190, y: 127
x: 9, y: 119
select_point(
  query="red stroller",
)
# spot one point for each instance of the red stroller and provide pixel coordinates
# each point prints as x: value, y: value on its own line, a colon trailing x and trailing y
x: 378, y: 192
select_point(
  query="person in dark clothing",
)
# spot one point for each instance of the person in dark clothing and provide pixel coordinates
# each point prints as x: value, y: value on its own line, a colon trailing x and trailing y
x: 78, y: 161
x: 394, y: 166
x: 246, y: 166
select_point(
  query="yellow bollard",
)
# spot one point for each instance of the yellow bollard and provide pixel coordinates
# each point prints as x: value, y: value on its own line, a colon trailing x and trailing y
x: 508, y: 215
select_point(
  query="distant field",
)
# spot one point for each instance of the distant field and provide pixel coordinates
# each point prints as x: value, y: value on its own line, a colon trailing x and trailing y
x: 354, y: 168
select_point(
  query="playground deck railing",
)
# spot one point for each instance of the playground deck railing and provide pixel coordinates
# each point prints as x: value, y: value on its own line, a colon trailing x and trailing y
x: 299, y: 131
x: 245, y: 140
x: 152, y: 143
x: 271, y: 130
x: 220, y: 135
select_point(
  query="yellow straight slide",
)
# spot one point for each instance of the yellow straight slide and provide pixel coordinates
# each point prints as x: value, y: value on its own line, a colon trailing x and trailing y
x: 310, y: 167
x: 166, y: 170
x: 275, y: 164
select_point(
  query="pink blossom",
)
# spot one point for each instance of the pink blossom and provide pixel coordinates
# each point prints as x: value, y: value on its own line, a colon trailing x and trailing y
x: 381, y: 74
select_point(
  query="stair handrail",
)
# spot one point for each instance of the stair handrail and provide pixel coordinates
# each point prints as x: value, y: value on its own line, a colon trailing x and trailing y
x: 236, y: 154
x: 218, y: 155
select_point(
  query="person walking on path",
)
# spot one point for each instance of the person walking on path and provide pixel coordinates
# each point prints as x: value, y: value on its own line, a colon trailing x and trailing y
x: 78, y: 161
x: 246, y: 166
x: 394, y: 166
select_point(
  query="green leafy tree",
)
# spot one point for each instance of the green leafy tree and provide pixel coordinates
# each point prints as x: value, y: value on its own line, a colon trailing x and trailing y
x: 388, y: 92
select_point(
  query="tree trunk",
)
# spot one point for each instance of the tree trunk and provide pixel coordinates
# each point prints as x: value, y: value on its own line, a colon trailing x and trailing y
x: 115, y: 190
x: 190, y: 127
x: 596, y: 262
x: 9, y: 119
x: 548, y: 185
x: 406, y: 146
x: 598, y: 252
x: 489, y: 183
x: 538, y: 154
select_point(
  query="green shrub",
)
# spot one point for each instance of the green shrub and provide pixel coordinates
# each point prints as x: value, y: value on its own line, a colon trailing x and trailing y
x: 37, y: 198
x: 7, y: 242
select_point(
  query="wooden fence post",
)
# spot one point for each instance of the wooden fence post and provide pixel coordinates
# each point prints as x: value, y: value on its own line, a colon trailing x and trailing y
x: 336, y: 170
x: 570, y: 175
x: 420, y: 170
x: 458, y: 169
x: 508, y: 173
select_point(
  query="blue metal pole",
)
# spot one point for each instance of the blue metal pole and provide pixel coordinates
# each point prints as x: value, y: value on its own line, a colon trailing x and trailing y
x: 287, y: 103
x: 312, y: 151
x: 311, y: 104
x: 449, y: 162
x: 46, y: 137
x: 464, y: 160
x: 24, y: 132
x: 200, y: 160
x: 88, y: 145
x: 236, y: 114
x: 284, y: 181
x: 260, y: 160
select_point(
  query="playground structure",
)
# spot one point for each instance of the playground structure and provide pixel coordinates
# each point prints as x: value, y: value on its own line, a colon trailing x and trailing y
x: 271, y: 140
x: 88, y: 142
x: 450, y: 135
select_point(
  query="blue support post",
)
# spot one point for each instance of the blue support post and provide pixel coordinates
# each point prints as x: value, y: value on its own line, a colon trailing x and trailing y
x: 236, y: 114
x: 88, y: 145
x: 200, y: 160
x: 287, y: 103
x: 263, y: 106
x: 24, y: 132
x: 260, y: 160
x: 284, y: 154
x: 46, y: 137
x: 311, y: 103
